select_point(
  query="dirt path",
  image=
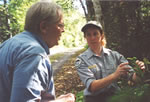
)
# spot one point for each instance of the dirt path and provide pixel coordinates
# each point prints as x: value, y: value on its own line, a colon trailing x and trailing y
x: 65, y: 75
x: 67, y: 53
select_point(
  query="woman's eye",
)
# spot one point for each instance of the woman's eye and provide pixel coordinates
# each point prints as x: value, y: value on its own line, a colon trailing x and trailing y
x: 95, y: 34
x: 88, y: 34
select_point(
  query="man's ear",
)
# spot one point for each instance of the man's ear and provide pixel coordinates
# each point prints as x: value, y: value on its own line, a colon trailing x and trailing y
x: 43, y: 27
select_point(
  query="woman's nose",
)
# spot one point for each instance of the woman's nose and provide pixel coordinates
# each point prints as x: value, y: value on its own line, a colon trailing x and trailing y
x: 92, y: 36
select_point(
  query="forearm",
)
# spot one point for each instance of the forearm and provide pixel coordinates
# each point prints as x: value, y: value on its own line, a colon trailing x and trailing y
x: 122, y: 69
x: 101, y: 83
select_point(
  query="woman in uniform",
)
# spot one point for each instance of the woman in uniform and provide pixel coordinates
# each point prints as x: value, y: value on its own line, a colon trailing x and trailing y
x: 99, y: 67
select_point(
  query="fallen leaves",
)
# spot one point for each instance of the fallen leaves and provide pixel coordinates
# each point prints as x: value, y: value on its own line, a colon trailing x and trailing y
x: 67, y: 79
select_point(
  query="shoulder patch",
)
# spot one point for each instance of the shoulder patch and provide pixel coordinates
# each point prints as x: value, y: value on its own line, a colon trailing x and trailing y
x: 78, y: 62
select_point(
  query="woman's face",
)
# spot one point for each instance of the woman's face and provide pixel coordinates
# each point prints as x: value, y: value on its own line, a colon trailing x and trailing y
x: 51, y: 33
x: 93, y: 37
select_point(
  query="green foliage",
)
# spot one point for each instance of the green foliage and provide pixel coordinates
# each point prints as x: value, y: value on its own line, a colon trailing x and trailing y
x: 73, y: 20
x: 140, y: 91
x: 66, y: 4
x: 17, y: 9
x: 4, y: 23
x: 86, y: 46
x: 132, y: 94
x: 13, y: 18
x: 142, y: 74
x: 72, y: 36
x: 79, y: 96
x: 139, y: 72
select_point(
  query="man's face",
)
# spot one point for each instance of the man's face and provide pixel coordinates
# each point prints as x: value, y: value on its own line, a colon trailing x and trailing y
x: 52, y: 32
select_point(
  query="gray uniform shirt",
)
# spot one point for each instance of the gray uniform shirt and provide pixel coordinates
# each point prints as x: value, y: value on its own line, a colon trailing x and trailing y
x: 91, y: 67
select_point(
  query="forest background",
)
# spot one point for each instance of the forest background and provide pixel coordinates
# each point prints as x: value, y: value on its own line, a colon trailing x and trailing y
x: 126, y: 24
x: 12, y: 18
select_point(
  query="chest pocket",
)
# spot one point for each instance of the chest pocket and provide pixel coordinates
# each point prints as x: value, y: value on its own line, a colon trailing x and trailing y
x: 109, y: 65
x: 110, y: 68
x: 94, y: 68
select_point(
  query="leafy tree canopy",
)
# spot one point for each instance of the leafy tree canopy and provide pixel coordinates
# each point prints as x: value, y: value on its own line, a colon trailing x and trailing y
x: 13, y: 17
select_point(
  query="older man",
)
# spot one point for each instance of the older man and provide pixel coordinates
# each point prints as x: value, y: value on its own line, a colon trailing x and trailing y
x: 25, y: 70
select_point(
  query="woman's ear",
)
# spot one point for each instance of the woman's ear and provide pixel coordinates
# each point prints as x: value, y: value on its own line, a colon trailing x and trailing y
x: 102, y: 36
x: 103, y: 40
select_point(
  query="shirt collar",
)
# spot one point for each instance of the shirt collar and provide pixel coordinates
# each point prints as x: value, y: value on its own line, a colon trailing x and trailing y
x: 41, y: 42
x: 105, y: 51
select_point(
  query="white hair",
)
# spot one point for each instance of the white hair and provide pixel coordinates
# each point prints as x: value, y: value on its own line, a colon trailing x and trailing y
x: 44, y: 10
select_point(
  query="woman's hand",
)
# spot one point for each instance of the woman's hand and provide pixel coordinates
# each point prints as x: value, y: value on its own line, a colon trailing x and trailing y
x: 141, y: 65
x: 135, y: 77
x: 122, y: 70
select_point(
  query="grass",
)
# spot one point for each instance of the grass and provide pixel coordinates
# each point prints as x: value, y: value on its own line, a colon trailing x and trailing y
x: 79, y: 96
x: 55, y: 57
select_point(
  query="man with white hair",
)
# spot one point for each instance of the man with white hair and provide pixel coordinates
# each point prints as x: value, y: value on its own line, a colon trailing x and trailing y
x: 25, y: 69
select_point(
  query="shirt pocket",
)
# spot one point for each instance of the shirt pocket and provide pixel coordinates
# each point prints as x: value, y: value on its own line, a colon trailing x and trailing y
x: 110, y: 68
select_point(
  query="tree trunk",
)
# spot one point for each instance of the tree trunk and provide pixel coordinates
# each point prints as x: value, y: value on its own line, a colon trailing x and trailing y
x: 91, y: 11
x: 98, y: 11
x: 84, y: 9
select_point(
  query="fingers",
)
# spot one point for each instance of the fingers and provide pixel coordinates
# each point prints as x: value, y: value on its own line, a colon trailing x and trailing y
x: 123, y: 64
x: 68, y: 97
x: 122, y: 69
x: 71, y: 97
x: 140, y: 64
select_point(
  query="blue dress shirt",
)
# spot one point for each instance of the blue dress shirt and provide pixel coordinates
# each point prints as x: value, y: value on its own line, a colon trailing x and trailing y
x: 25, y: 69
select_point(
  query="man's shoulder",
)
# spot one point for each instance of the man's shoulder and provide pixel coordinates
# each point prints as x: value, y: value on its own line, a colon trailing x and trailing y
x: 24, y: 37
x: 26, y: 43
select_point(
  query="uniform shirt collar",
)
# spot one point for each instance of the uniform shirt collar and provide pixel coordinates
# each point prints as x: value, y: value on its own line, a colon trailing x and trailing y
x: 105, y: 51
x: 41, y: 42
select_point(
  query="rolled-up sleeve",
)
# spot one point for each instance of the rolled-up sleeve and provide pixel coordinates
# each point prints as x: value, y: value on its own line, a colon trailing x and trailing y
x: 84, y: 73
